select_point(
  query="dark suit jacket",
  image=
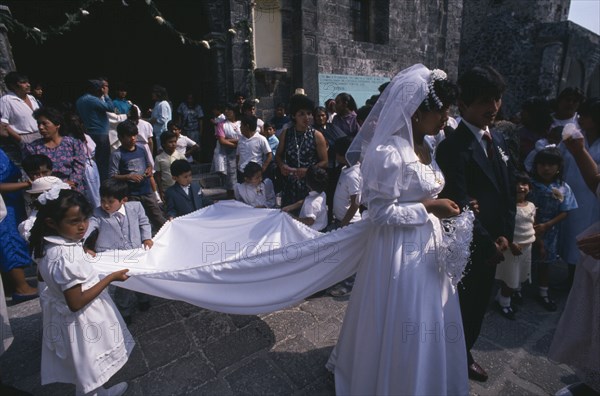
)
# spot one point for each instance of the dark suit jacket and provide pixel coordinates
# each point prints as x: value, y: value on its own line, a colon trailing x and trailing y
x: 470, y: 174
x: 179, y: 203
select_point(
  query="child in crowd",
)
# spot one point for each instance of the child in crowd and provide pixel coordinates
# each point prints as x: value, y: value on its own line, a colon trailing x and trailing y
x: 163, y: 161
x: 252, y: 147
x: 183, y: 197
x: 249, y: 109
x: 121, y: 225
x: 255, y: 191
x: 553, y: 200
x: 346, y: 202
x: 516, y: 267
x: 130, y: 163
x: 75, y: 299
x: 280, y: 120
x: 271, y: 172
x: 36, y: 166
x: 554, y: 137
x: 185, y: 145
x: 38, y: 186
x: 313, y: 210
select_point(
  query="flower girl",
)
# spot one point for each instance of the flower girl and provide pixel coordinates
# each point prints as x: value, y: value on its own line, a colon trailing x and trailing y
x: 85, y: 340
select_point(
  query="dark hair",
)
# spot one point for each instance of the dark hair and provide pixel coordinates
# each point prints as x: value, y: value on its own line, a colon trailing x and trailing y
x: 329, y: 101
x: 342, y: 145
x: 166, y: 136
x: 549, y: 155
x: 280, y: 105
x: 268, y: 125
x: 179, y: 167
x: 348, y: 99
x: 33, y: 162
x: 522, y: 177
x: 121, y: 86
x: 250, y: 121
x: 160, y: 92
x: 571, y: 91
x: 445, y: 90
x: 13, y: 78
x: 538, y: 114
x: 300, y: 102
x: 591, y: 108
x: 248, y: 104
x: 173, y: 125
x: 251, y: 169
x: 316, y: 178
x: 127, y: 128
x: 113, y: 188
x: 74, y: 127
x: 52, y: 114
x: 133, y: 114
x: 363, y: 112
x: 481, y: 82
x: 317, y: 110
x: 55, y: 210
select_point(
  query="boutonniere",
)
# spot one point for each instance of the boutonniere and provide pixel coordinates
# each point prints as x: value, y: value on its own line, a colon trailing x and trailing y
x: 503, y: 155
x: 557, y: 194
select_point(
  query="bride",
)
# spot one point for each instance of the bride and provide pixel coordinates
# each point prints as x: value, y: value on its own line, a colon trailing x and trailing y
x: 402, y: 333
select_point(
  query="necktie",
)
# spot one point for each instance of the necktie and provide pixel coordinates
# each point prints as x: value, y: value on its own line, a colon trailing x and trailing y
x: 489, y: 146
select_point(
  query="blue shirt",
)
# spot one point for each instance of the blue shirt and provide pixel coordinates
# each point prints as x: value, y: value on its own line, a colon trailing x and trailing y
x: 123, y: 162
x: 92, y: 111
x: 122, y: 106
x: 273, y: 143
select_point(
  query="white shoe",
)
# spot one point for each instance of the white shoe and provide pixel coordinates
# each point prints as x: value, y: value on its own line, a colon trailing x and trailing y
x: 116, y: 390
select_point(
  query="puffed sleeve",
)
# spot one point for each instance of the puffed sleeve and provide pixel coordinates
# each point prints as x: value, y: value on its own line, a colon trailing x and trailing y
x: 385, y: 187
x: 68, y: 271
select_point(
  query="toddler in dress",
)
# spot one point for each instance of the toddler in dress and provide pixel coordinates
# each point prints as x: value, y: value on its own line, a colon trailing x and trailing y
x: 85, y: 341
x: 516, y: 267
x: 313, y: 208
x: 255, y: 191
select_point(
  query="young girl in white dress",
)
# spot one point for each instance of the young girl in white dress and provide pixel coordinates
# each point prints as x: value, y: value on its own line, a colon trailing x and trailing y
x: 85, y: 340
x: 255, y: 191
x: 516, y: 267
x: 313, y: 208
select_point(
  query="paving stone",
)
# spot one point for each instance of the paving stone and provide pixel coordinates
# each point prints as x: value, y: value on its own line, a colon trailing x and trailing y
x: 155, y: 317
x: 542, y: 345
x: 258, y: 377
x: 239, y: 344
x: 539, y: 371
x: 208, y: 327
x: 290, y: 323
x: 324, y: 386
x: 300, y: 361
x: 165, y: 344
x: 243, y: 320
x: 186, y: 310
x: 511, y: 389
x: 214, y: 387
x: 493, y: 359
x: 178, y: 377
x: 324, y: 333
x: 323, y: 307
x: 508, y: 333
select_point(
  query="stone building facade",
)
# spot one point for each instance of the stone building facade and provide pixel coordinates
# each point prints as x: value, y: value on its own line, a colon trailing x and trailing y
x: 268, y: 48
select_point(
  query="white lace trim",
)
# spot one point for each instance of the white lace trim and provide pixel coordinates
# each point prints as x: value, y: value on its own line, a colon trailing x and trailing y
x: 455, y: 248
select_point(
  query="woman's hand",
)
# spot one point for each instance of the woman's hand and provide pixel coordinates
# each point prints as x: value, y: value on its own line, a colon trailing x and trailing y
x: 540, y: 229
x: 301, y: 172
x: 441, y: 208
x: 575, y: 146
x: 134, y: 177
x: 287, y: 170
x: 515, y: 249
x: 590, y: 245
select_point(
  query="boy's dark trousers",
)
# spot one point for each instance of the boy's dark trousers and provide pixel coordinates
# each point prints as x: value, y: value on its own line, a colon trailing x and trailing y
x: 152, y: 209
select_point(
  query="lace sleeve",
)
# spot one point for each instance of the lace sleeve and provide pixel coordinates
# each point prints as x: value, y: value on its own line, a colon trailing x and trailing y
x: 455, y: 248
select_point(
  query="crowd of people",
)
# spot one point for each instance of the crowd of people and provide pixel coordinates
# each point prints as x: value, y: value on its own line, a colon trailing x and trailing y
x: 100, y: 176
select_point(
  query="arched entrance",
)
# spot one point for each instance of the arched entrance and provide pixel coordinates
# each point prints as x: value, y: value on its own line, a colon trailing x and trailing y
x: 123, y: 43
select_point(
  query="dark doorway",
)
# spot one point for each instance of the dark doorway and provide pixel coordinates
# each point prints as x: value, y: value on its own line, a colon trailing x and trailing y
x: 123, y: 43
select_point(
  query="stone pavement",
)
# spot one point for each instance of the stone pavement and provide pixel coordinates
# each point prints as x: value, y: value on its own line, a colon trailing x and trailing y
x: 185, y: 350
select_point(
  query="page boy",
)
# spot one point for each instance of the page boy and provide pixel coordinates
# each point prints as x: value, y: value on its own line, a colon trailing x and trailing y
x: 252, y: 147
x: 163, y: 161
x: 120, y: 225
x: 183, y: 197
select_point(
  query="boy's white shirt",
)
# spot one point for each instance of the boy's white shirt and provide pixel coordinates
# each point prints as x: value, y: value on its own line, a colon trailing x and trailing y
x: 349, y: 184
x: 315, y: 207
x: 252, y: 149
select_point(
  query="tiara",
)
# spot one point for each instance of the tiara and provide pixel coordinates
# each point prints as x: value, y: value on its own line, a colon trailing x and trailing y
x: 436, y: 74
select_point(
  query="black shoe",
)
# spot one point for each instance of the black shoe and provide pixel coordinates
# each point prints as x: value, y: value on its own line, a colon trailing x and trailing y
x: 477, y: 373
x: 517, y: 298
x: 144, y: 306
x: 547, y: 303
x: 507, y: 312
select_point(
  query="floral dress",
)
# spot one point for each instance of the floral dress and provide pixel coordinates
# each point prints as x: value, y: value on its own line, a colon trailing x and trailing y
x: 550, y: 200
x: 300, y: 152
x: 68, y: 159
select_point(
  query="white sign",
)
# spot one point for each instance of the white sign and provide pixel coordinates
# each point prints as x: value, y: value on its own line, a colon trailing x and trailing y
x: 360, y: 87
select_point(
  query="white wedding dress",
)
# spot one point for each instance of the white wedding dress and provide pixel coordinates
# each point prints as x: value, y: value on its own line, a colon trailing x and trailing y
x: 402, y: 333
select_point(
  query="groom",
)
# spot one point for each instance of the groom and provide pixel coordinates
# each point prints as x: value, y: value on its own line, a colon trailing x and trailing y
x: 476, y: 166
